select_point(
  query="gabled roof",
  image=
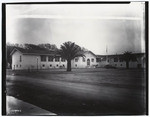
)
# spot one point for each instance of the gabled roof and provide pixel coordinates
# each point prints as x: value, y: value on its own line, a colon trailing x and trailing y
x: 44, y: 51
x: 41, y: 51
x: 89, y: 52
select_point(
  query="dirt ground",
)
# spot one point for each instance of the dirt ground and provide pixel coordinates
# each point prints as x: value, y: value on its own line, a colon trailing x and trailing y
x: 81, y: 92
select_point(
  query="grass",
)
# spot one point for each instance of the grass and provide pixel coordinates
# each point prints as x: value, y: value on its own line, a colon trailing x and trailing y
x: 118, y: 77
x: 129, y: 83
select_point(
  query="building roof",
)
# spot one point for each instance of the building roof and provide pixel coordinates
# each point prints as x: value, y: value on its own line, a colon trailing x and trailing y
x: 26, y: 51
x: 44, y: 51
x: 118, y: 55
x: 89, y: 52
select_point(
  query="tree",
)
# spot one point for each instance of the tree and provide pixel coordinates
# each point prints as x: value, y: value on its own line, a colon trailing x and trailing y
x: 70, y: 51
x: 9, y: 49
x: 128, y: 56
x: 32, y: 46
x: 48, y: 46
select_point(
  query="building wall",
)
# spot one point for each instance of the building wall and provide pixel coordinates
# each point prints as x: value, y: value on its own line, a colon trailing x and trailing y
x: 31, y: 62
x: 52, y: 64
x: 83, y: 64
x: 16, y: 61
x: 118, y: 64
x: 27, y: 61
x: 34, y: 62
x: 140, y: 63
x: 101, y: 63
x: 79, y: 64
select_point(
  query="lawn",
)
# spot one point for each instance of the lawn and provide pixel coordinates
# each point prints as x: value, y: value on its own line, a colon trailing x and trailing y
x: 119, y: 77
x: 82, y: 91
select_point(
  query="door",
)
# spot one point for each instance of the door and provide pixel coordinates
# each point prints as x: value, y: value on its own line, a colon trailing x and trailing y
x: 138, y: 65
x: 88, y: 62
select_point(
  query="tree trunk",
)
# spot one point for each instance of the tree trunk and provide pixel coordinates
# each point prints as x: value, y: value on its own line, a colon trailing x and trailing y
x: 127, y: 64
x: 68, y: 65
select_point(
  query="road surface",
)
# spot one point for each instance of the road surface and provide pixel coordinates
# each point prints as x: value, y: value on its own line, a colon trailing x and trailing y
x: 77, y: 98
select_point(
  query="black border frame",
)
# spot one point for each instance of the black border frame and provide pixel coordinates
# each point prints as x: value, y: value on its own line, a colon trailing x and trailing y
x: 74, y: 2
x: 70, y: 2
x: 147, y: 51
x: 3, y: 59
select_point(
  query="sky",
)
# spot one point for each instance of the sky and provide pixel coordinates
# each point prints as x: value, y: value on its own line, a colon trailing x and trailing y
x: 119, y: 27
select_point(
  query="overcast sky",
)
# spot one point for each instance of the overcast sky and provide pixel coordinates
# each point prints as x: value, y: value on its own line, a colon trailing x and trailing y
x: 92, y: 26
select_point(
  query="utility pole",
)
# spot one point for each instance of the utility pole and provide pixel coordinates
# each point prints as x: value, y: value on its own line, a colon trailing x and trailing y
x: 106, y: 55
x: 37, y: 63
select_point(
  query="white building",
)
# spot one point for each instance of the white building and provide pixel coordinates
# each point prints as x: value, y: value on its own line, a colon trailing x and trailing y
x: 118, y: 62
x: 44, y: 59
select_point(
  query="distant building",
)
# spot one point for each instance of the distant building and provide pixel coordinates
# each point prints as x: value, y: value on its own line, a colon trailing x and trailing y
x: 118, y: 61
x: 46, y: 59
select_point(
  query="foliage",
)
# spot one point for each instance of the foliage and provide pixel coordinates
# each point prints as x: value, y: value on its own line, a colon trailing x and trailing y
x: 69, y: 51
x: 128, y: 56
x: 48, y: 46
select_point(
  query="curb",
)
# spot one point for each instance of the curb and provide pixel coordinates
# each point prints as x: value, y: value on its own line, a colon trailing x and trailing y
x: 15, y: 106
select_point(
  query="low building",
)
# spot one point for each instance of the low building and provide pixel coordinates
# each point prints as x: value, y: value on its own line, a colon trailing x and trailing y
x: 45, y: 59
x: 118, y: 61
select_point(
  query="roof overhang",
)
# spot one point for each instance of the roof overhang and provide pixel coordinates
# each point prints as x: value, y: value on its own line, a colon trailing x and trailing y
x: 90, y: 52
x: 37, y: 54
x: 14, y: 50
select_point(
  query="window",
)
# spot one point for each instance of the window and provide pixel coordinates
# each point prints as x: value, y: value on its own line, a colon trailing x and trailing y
x: 83, y: 59
x: 20, y: 58
x: 92, y: 60
x: 120, y: 59
x: 17, y: 66
x: 108, y: 60
x: 120, y: 64
x: 57, y: 59
x: 63, y: 60
x: 76, y: 59
x: 63, y: 65
x: 43, y: 65
x: 50, y: 65
x: 57, y: 65
x: 115, y: 59
x: 76, y: 65
x: 20, y: 65
x: 43, y: 58
x: 50, y: 58
x: 103, y: 59
x: 98, y: 59
x: 115, y: 64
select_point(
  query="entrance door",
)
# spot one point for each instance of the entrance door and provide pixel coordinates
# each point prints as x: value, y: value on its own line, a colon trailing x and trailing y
x: 88, y: 62
x: 138, y: 65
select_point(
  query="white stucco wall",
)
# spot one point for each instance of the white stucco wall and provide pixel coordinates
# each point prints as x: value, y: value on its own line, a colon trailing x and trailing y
x: 52, y: 64
x: 34, y: 62
x: 16, y: 61
x: 81, y: 64
x: 31, y: 62
x: 118, y: 64
x: 27, y: 61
